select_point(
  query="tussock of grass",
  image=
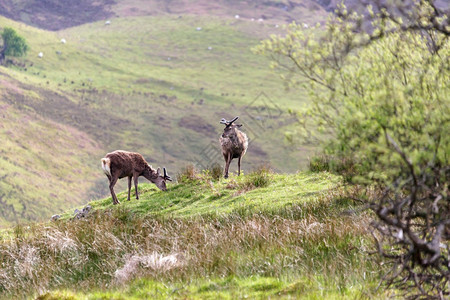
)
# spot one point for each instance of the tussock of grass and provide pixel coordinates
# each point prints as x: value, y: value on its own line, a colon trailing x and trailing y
x: 187, y: 174
x: 215, y: 172
x: 259, y: 178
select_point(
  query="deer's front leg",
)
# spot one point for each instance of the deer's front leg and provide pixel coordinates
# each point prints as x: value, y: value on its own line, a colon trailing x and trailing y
x: 227, y: 164
x: 135, y: 177
x: 239, y: 165
x: 129, y: 186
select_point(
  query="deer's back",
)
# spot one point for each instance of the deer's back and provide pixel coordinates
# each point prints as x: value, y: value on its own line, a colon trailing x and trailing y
x: 126, y: 162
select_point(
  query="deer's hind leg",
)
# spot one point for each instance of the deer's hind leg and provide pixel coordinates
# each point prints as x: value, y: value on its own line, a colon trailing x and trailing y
x: 227, y: 163
x: 112, y: 183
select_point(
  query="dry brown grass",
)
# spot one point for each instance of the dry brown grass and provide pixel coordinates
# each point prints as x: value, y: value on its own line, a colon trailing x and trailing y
x: 113, y: 247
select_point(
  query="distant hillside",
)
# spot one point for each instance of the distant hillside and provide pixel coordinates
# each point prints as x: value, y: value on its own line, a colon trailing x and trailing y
x: 44, y: 165
x: 56, y: 15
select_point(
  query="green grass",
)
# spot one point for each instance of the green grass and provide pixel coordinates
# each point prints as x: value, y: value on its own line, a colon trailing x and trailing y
x: 208, y: 197
x: 290, y: 237
x: 255, y: 287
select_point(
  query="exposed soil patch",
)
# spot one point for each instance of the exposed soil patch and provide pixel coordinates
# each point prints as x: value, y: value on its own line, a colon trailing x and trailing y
x: 256, y: 150
x: 56, y: 107
x: 197, y: 124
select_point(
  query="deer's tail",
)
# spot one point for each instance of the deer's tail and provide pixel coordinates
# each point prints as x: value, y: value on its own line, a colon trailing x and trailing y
x: 106, y: 166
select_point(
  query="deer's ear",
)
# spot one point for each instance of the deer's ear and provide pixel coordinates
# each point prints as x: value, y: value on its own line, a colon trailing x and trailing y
x: 158, y: 171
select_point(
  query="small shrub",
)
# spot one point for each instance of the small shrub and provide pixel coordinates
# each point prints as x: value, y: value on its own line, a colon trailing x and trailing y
x: 215, y: 171
x: 232, y: 184
x: 261, y: 177
x: 212, y: 173
x: 188, y: 173
x: 319, y: 163
x: 343, y: 166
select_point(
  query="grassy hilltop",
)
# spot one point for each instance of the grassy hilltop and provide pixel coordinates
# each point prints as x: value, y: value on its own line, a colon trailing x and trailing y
x: 156, y: 83
x: 256, y: 236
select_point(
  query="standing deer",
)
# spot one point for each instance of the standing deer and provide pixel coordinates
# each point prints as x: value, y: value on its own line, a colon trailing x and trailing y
x: 234, y: 144
x: 120, y: 164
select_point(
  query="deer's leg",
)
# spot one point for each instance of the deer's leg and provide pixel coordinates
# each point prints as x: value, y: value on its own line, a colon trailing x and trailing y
x: 112, y: 183
x: 135, y: 177
x: 239, y: 165
x: 227, y: 164
x: 129, y: 186
x: 225, y: 157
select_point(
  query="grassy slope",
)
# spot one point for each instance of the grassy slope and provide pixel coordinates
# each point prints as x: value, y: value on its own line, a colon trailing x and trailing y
x: 39, y: 169
x: 117, y: 85
x: 289, y: 238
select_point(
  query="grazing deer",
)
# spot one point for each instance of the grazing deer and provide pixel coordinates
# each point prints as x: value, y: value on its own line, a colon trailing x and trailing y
x: 234, y: 144
x: 120, y: 164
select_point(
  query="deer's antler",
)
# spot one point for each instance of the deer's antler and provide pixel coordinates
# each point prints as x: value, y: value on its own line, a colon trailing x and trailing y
x: 166, y: 176
x: 228, y: 123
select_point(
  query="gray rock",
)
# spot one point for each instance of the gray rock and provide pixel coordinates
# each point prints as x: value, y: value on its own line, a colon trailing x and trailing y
x: 55, y: 217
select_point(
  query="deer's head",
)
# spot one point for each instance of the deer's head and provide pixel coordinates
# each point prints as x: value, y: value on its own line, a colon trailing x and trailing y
x: 229, y: 129
x: 160, y: 180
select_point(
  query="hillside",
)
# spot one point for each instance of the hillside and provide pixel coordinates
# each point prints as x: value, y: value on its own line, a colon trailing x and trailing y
x: 157, y: 85
x: 57, y: 15
x: 257, y: 236
x: 39, y: 169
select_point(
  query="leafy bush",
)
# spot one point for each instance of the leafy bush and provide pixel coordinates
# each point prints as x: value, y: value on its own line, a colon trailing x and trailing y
x: 13, y: 44
x: 381, y: 100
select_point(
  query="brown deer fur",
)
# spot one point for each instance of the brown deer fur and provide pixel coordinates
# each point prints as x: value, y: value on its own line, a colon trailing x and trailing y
x: 120, y: 164
x: 234, y: 144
